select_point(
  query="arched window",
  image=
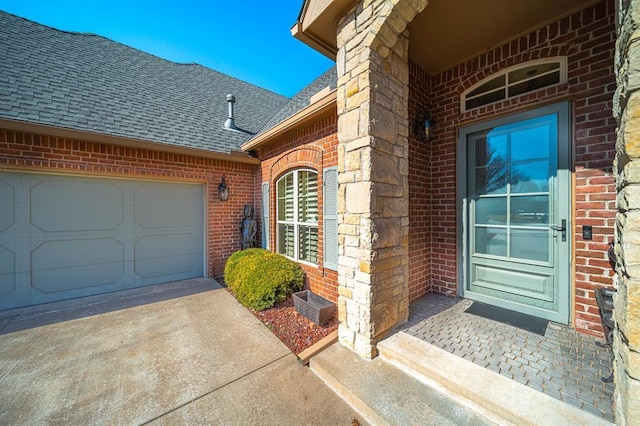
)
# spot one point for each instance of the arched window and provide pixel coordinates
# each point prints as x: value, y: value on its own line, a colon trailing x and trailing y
x: 297, y: 235
x: 515, y: 81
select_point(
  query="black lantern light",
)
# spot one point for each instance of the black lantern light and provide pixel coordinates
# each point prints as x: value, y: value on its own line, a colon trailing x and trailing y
x: 223, y: 190
x: 423, y: 126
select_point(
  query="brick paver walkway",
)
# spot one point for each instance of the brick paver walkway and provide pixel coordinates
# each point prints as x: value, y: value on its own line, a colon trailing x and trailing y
x: 562, y: 363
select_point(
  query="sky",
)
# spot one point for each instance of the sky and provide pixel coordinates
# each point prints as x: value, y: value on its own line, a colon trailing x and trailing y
x: 249, y: 40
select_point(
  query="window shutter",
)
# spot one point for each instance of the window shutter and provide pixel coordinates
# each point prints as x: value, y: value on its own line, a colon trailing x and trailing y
x: 330, y: 203
x: 265, y: 215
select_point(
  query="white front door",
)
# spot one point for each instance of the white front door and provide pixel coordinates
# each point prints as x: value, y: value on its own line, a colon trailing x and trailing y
x: 514, y: 195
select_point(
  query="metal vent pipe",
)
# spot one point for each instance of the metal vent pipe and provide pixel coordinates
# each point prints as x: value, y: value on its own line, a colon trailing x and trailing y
x: 231, y: 122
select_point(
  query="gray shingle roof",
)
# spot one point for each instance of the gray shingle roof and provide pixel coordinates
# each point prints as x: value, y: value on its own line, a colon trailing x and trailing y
x: 302, y: 98
x: 90, y: 83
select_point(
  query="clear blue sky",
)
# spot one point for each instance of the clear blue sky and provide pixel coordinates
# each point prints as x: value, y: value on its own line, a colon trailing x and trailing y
x: 249, y: 39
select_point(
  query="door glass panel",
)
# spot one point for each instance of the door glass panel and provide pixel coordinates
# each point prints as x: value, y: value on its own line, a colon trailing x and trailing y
x: 491, y: 180
x: 534, y: 84
x: 531, y: 140
x: 530, y: 211
x: 491, y: 150
x: 530, y: 244
x: 491, y: 211
x: 488, y: 86
x: 527, y: 72
x: 530, y: 177
x: 491, y: 241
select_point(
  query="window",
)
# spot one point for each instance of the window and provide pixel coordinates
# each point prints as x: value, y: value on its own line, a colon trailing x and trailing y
x: 297, y: 194
x: 515, y: 81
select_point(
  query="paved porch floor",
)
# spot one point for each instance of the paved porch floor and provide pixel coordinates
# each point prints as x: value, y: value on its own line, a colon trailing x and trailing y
x: 563, y: 363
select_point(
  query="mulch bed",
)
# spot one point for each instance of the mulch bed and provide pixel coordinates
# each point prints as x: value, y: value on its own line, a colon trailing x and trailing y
x: 293, y: 329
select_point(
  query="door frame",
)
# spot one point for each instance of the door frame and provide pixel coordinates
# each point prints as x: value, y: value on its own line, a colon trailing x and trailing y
x: 565, y: 149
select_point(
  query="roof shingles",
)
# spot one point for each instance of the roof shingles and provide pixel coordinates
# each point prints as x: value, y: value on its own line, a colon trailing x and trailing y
x: 302, y: 99
x: 89, y: 83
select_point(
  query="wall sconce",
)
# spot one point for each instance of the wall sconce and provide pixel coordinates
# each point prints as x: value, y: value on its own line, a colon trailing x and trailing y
x: 223, y: 190
x: 423, y: 126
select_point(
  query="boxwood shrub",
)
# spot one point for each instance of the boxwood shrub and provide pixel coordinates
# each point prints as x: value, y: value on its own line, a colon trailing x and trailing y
x: 260, y: 279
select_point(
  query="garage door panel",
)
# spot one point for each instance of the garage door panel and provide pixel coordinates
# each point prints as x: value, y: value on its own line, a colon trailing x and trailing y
x: 66, y: 205
x: 167, y: 206
x: 66, y: 266
x: 173, y: 254
x: 79, y: 236
x: 7, y: 201
x: 7, y: 272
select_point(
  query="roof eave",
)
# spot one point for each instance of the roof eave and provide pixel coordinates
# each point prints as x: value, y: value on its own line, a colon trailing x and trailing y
x: 315, y: 43
x: 62, y: 132
x: 314, y: 110
x: 317, y: 24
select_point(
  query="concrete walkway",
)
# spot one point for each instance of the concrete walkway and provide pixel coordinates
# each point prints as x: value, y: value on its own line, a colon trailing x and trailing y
x: 180, y: 353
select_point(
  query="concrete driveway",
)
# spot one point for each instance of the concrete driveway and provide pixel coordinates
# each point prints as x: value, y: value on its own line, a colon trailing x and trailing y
x: 177, y: 353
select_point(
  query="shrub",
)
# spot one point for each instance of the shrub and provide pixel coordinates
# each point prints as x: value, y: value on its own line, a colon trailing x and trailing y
x: 231, y: 268
x: 260, y: 278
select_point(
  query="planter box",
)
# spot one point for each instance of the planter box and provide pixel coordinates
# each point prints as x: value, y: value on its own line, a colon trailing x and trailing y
x: 315, y: 308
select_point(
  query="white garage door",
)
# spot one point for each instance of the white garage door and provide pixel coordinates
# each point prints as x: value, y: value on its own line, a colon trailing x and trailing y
x: 66, y: 237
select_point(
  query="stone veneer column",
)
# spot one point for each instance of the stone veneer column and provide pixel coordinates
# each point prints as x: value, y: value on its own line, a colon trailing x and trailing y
x: 373, y: 93
x: 627, y: 169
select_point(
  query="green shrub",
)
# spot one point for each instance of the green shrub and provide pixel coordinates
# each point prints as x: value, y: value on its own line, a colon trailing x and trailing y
x: 231, y: 268
x: 260, y: 278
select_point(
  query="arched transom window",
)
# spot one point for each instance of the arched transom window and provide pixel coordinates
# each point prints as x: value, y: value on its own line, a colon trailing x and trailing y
x: 515, y: 81
x: 297, y: 234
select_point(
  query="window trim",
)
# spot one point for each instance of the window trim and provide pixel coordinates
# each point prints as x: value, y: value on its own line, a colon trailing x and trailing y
x: 562, y: 69
x: 296, y: 224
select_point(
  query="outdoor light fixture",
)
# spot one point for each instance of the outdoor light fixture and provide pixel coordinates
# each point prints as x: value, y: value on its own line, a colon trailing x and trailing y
x: 423, y: 126
x: 223, y: 190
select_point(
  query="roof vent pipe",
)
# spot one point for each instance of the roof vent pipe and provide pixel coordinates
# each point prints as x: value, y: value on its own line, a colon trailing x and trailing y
x: 231, y: 123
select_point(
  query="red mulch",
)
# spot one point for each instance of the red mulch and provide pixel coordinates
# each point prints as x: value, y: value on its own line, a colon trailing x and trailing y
x: 293, y: 329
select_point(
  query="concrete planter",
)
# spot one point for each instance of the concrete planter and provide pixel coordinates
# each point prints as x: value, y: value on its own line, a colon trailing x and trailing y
x: 315, y: 308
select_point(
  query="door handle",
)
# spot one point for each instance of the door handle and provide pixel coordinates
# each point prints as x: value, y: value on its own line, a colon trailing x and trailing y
x: 562, y: 228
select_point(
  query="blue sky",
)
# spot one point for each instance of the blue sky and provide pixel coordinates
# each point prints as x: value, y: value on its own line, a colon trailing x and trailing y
x: 249, y: 40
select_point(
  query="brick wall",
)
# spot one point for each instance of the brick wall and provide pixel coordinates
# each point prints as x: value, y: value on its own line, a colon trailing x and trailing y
x: 311, y: 146
x: 420, y: 213
x: 587, y: 38
x: 47, y: 154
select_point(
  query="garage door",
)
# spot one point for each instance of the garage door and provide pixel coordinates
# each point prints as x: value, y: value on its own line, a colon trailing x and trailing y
x: 66, y: 237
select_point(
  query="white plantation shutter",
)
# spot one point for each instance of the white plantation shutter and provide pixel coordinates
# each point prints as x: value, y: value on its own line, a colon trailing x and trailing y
x: 308, y: 214
x: 297, y: 195
x: 330, y: 232
x: 307, y: 197
x: 308, y: 249
x: 265, y: 215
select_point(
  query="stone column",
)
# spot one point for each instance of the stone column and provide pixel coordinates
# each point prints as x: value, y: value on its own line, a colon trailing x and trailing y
x: 627, y: 168
x: 373, y: 92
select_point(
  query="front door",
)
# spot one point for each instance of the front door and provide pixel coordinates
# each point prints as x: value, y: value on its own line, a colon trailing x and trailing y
x: 514, y: 194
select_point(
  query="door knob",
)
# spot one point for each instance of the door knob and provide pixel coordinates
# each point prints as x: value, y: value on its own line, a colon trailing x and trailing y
x: 562, y: 228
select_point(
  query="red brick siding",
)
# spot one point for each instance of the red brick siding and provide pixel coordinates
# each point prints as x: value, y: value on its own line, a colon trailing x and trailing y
x: 48, y: 154
x: 420, y: 212
x: 313, y: 146
x: 587, y: 38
